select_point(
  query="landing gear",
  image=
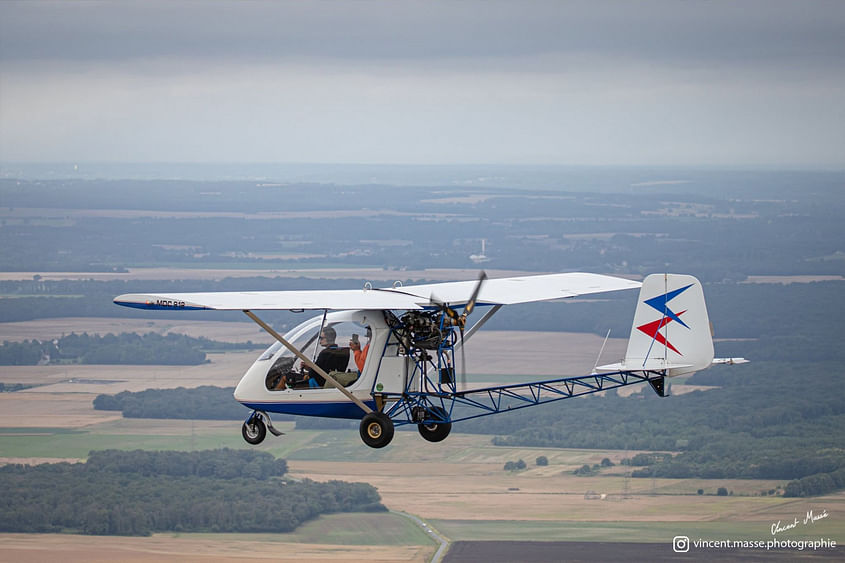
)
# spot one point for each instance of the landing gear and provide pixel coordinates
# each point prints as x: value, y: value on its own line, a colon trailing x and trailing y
x: 254, y: 430
x: 376, y: 429
x: 435, y: 432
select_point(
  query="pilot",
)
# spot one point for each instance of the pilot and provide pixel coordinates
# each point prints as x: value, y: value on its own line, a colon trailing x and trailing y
x: 331, y: 358
x: 360, y: 354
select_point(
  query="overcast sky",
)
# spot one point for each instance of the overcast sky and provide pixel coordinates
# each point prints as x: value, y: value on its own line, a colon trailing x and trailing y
x: 665, y: 82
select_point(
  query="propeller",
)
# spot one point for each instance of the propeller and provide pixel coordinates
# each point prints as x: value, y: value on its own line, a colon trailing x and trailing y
x: 468, y: 308
x: 460, y: 320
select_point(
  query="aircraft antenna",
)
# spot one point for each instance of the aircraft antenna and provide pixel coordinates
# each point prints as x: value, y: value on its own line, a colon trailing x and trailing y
x: 601, y: 350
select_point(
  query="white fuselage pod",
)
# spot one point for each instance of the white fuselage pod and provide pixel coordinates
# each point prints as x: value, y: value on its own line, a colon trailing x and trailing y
x: 259, y: 388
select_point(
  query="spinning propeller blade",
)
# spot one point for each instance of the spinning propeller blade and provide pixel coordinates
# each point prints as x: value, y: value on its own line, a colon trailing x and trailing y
x: 468, y: 308
x: 471, y: 303
x: 460, y: 320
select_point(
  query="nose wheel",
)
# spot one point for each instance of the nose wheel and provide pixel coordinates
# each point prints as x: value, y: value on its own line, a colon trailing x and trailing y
x: 376, y: 429
x: 254, y: 430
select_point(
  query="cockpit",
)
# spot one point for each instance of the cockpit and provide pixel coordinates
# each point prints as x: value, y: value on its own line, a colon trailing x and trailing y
x: 340, y: 348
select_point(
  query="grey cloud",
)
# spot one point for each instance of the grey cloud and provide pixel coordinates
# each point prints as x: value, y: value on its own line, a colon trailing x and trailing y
x: 664, y: 31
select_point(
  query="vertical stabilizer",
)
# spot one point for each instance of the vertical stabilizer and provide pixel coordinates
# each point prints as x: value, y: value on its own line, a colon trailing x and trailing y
x: 671, y: 328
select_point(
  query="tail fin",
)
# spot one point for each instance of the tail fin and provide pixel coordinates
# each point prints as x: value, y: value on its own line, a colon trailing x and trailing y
x: 671, y: 328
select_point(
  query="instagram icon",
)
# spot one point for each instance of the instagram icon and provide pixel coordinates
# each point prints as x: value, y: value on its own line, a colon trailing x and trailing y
x: 680, y: 544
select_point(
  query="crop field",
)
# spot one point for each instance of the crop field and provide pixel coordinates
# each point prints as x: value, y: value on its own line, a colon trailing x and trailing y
x: 45, y: 329
x: 625, y: 531
x: 223, y: 370
x: 315, y: 542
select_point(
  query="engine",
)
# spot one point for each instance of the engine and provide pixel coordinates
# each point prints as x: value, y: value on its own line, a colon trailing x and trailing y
x: 421, y: 329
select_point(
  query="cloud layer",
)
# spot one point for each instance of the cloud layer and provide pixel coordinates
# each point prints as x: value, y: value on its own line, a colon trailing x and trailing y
x: 663, y: 82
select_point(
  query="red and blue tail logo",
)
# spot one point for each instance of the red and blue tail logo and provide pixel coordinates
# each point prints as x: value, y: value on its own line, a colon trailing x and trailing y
x: 661, y: 304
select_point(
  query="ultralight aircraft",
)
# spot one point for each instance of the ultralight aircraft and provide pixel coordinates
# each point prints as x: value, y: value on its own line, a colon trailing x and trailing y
x: 405, y: 373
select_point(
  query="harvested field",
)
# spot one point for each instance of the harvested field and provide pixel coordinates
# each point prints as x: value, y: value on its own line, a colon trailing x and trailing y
x: 46, y: 329
x: 473, y: 491
x: 463, y: 478
x: 47, y: 548
x: 530, y: 354
x: 59, y: 410
x: 65, y: 393
x: 224, y: 370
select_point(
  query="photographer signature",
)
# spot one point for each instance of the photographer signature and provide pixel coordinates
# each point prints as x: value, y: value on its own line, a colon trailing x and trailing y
x: 810, y: 518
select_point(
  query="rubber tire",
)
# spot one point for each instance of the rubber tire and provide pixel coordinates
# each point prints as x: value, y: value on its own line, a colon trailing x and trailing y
x: 376, y: 429
x: 435, y: 432
x: 254, y: 432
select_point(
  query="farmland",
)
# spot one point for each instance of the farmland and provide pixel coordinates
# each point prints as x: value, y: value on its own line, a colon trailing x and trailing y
x: 458, y: 486
x: 62, y: 266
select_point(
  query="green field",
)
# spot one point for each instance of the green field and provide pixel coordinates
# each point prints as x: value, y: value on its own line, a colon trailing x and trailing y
x: 646, y: 532
x: 127, y: 434
x: 341, y: 529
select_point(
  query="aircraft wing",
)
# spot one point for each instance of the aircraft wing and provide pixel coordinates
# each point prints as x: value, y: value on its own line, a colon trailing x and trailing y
x: 503, y: 291
x: 263, y: 300
x: 523, y: 289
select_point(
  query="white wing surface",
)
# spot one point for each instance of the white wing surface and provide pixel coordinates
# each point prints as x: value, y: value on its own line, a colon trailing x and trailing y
x: 263, y: 300
x: 524, y: 289
x: 503, y: 291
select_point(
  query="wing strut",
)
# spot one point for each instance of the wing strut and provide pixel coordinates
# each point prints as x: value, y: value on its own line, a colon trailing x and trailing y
x: 307, y: 361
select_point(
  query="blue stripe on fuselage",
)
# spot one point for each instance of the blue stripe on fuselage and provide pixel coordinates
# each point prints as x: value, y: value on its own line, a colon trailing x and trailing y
x: 346, y: 409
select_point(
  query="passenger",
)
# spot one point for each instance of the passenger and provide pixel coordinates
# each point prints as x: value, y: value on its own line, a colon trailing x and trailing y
x: 360, y: 355
x: 331, y: 358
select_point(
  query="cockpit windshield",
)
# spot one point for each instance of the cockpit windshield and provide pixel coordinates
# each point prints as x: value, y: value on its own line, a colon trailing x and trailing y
x: 270, y: 352
x: 337, y: 348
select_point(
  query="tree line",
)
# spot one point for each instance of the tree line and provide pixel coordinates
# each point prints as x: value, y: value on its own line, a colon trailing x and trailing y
x: 140, y: 493
x: 817, y: 484
x: 201, y: 403
x: 127, y: 348
x: 224, y: 463
x: 12, y: 387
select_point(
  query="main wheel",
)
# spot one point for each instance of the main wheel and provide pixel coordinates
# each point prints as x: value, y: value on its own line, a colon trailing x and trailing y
x: 435, y: 432
x: 254, y: 430
x: 376, y: 429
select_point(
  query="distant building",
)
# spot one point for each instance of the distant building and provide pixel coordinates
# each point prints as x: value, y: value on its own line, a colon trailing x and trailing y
x: 479, y: 258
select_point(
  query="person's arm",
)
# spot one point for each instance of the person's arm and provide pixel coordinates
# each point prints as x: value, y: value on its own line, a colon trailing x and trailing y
x: 361, y: 356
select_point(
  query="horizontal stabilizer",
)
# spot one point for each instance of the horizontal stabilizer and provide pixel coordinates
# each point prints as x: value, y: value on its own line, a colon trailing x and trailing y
x: 654, y: 364
x: 730, y: 361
